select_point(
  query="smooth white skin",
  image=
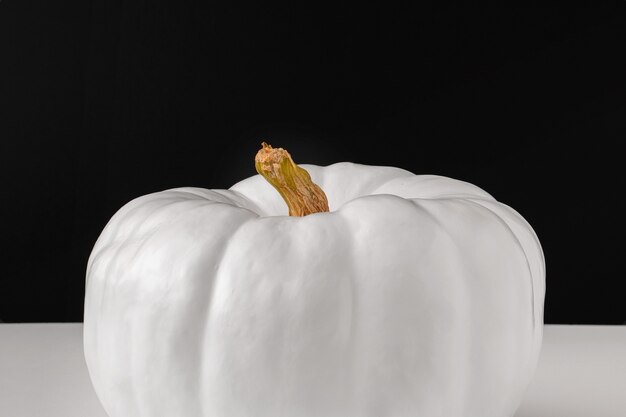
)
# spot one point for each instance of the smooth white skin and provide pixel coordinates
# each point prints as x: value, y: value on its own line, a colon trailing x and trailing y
x: 417, y: 295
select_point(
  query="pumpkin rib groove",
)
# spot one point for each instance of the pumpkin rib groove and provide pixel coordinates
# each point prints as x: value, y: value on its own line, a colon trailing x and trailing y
x: 210, y: 303
x: 537, y: 290
x: 217, y: 277
x: 531, y: 354
x: 519, y: 245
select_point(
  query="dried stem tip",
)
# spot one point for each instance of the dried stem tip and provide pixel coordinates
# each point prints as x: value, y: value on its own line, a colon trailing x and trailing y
x: 293, y: 183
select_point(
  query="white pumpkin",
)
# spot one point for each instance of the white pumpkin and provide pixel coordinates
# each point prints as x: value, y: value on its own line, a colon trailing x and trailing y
x: 416, y: 295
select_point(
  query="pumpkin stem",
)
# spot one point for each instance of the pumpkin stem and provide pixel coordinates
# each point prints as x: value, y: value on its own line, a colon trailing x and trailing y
x: 292, y: 182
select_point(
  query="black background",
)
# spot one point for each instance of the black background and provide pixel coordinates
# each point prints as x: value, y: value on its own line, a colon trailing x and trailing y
x: 103, y: 101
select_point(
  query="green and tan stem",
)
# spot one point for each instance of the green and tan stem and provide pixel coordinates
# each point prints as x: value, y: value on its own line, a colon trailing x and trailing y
x: 293, y: 183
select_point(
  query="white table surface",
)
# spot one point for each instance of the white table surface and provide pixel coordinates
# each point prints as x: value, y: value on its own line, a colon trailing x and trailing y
x: 581, y: 373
